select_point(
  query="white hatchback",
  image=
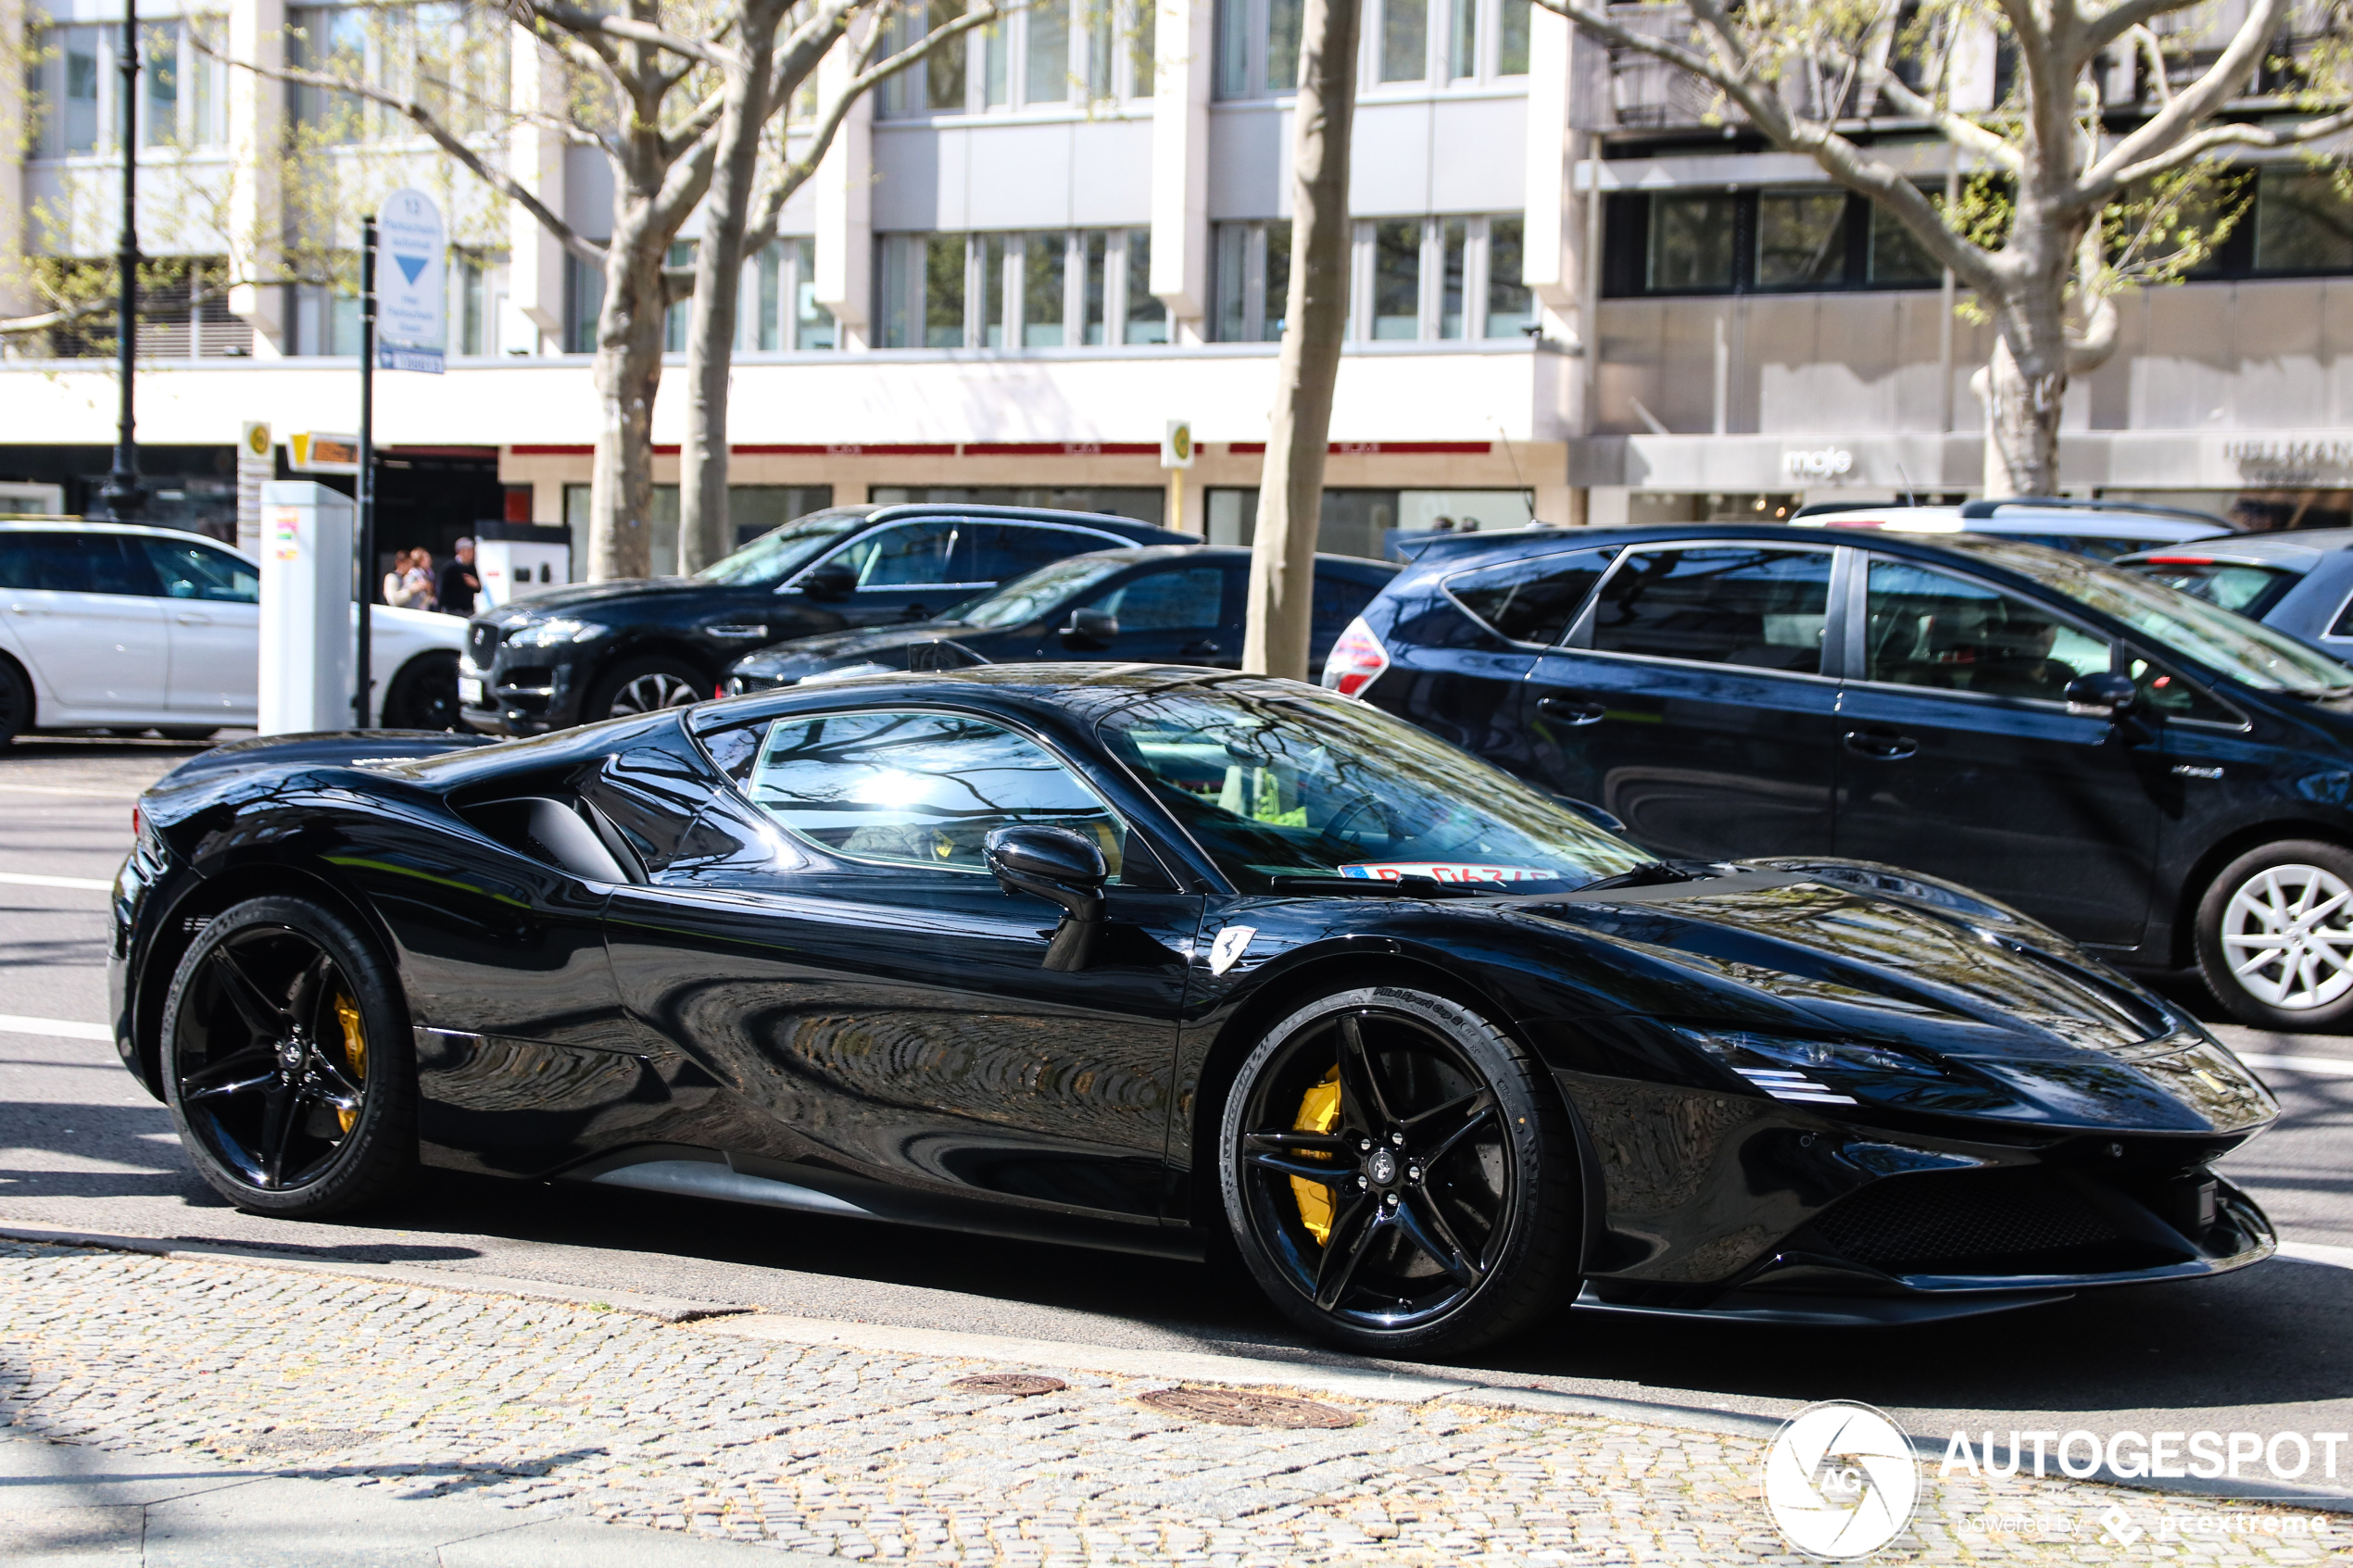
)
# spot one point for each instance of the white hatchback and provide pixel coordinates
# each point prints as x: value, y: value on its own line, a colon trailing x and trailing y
x: 112, y: 625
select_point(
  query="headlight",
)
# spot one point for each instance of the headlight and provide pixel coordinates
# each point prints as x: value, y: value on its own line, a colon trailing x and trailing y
x: 550, y: 634
x: 1815, y: 1072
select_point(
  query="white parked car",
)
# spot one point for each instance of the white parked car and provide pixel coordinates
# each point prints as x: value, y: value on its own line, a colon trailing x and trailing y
x: 112, y: 625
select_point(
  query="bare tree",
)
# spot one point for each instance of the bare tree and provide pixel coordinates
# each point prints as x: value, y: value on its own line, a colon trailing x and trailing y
x: 2074, y: 189
x: 1290, y: 487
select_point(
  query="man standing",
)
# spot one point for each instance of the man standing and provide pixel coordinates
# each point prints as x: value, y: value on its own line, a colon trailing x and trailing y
x: 454, y: 583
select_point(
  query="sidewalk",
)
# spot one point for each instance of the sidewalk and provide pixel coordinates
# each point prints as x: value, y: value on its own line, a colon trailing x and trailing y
x: 228, y: 1411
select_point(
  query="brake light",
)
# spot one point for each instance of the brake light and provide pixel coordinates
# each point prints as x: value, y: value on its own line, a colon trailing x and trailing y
x: 135, y: 823
x: 2177, y: 560
x: 1354, y: 660
x: 719, y: 690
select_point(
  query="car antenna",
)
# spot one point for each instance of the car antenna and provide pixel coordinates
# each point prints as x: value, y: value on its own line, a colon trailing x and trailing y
x: 1911, y: 496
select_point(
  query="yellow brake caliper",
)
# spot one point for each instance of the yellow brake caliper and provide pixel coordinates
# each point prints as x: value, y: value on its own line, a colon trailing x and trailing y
x: 1318, y: 1113
x: 355, y: 1050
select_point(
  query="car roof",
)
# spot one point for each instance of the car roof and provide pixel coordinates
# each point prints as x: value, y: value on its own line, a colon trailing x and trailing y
x: 2294, y: 552
x: 92, y: 525
x: 2018, y: 520
x: 901, y: 511
x: 1222, y: 555
x: 1523, y: 542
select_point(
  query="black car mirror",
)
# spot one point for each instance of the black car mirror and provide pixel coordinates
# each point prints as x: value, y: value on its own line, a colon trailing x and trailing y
x: 2104, y: 695
x: 1091, y: 629
x: 832, y: 581
x: 1063, y: 867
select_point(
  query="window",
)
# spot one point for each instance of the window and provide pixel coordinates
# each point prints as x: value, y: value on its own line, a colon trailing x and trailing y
x: 1002, y: 551
x: 1462, y: 39
x: 2302, y: 224
x: 2248, y: 589
x: 70, y: 82
x: 584, y: 301
x: 1511, y: 309
x: 1397, y: 278
x: 1147, y: 315
x: 1046, y: 74
x: 1928, y: 628
x: 1800, y: 239
x: 755, y: 509
x: 1351, y: 522
x: 1532, y: 601
x: 193, y: 572
x: 919, y: 789
x: 332, y: 41
x: 1337, y: 601
x: 1742, y: 605
x: 1405, y: 40
x: 1024, y: 292
x: 943, y: 291
x: 1786, y: 239
x: 1253, y: 281
x: 1043, y: 303
x: 944, y: 70
x: 327, y: 320
x: 470, y: 313
x: 2162, y: 691
x: 1511, y: 50
x: 813, y: 324
x: 677, y: 317
x: 1140, y: 502
x: 1691, y: 248
x: 1093, y: 287
x: 1190, y: 600
x: 1258, y: 47
x: 1453, y: 235
x: 910, y: 555
x: 1897, y: 256
x: 73, y: 563
x: 160, y: 49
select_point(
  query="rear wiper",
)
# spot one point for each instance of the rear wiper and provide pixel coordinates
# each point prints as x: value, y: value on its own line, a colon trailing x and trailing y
x: 1649, y: 874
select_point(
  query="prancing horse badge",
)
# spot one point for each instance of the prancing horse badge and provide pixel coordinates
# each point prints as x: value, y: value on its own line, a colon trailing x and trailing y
x: 1231, y: 944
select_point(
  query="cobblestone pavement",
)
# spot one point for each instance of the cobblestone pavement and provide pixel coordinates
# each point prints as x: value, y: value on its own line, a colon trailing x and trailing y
x: 570, y: 1409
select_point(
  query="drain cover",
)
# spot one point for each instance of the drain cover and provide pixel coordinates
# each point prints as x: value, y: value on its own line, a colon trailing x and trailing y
x: 301, y: 1440
x: 1018, y: 1384
x: 1231, y: 1408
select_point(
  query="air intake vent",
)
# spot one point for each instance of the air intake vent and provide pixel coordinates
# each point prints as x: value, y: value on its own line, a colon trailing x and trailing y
x: 1974, y: 1223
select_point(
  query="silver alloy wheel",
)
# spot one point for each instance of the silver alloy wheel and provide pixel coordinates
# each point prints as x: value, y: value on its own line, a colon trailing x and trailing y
x: 2287, y: 932
x: 650, y: 692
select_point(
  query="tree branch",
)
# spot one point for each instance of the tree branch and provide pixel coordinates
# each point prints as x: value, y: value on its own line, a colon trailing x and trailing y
x: 2110, y: 183
x: 582, y: 23
x: 2196, y: 102
x: 2123, y: 16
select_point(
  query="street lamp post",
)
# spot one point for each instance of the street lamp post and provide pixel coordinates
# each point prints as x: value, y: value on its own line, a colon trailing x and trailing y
x: 124, y: 497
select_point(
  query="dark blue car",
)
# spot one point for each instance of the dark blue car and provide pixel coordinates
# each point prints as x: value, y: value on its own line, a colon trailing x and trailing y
x: 2167, y: 784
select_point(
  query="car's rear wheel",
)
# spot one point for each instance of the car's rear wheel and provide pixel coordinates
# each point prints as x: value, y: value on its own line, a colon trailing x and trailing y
x: 2275, y: 936
x: 16, y: 701
x: 1398, y: 1176
x: 645, y: 686
x: 424, y: 693
x: 287, y: 1061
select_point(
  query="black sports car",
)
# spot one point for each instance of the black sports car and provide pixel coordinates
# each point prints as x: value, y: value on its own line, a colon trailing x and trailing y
x: 1151, y: 957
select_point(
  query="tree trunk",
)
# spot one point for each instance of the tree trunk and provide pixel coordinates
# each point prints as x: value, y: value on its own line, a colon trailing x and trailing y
x: 627, y: 374
x: 2022, y: 425
x: 1290, y: 487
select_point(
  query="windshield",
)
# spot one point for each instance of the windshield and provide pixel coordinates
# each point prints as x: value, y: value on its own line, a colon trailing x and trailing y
x: 1277, y: 781
x: 772, y: 557
x: 1041, y: 592
x: 2240, y: 586
x: 2227, y: 644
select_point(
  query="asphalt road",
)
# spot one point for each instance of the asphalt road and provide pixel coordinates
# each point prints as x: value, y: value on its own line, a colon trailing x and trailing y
x: 84, y: 1147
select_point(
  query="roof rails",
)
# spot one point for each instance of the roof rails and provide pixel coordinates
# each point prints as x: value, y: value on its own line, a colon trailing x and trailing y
x: 2068, y: 504
x: 1818, y: 509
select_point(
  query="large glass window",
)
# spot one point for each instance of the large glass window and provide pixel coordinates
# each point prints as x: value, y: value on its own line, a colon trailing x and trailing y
x: 1511, y: 49
x: 1258, y: 47
x: 1897, y: 255
x: 943, y: 291
x: 1252, y: 281
x: 1535, y: 600
x: 1045, y: 79
x: 1800, y: 239
x: 1397, y: 278
x: 1691, y: 248
x: 1405, y: 40
x: 2303, y: 223
x: 1043, y: 297
x: 1745, y: 605
x: 1511, y: 308
x: 1094, y: 286
x: 159, y: 47
x: 77, y: 74
x: 1453, y: 240
x: 1929, y: 628
x: 944, y: 69
x: 1147, y: 317
x: 812, y: 324
x: 920, y: 790
x: 198, y: 572
x: 1188, y: 600
x: 993, y: 305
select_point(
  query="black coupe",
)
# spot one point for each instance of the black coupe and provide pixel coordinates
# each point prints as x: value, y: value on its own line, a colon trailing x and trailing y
x: 1159, y: 959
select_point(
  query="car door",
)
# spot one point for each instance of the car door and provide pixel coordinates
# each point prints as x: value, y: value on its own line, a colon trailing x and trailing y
x: 83, y: 609
x: 1958, y: 755
x: 1176, y: 613
x: 212, y: 612
x: 842, y: 960
x: 1692, y: 697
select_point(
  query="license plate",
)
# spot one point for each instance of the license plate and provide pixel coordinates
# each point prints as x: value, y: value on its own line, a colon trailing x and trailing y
x: 470, y: 691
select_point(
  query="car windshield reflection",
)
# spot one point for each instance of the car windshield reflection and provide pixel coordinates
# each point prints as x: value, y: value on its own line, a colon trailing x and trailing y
x: 1275, y: 782
x: 1040, y: 592
x: 772, y: 557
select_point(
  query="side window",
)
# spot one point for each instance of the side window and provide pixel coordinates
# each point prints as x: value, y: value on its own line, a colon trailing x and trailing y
x: 1749, y: 605
x: 1533, y: 600
x: 919, y: 789
x: 912, y: 555
x: 1928, y: 628
x: 2164, y: 692
x: 1007, y: 550
x: 1167, y: 601
x: 74, y: 563
x: 193, y: 571
x: 1338, y: 600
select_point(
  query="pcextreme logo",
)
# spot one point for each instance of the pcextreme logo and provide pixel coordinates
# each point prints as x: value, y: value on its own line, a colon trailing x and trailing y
x: 1840, y: 1480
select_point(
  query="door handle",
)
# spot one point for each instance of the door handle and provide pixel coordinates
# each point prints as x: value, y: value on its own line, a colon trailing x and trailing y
x: 1571, y: 710
x: 1885, y: 745
x: 191, y: 619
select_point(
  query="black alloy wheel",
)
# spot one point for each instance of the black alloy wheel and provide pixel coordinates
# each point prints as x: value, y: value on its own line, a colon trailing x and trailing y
x: 646, y: 685
x: 287, y: 1063
x: 16, y: 701
x: 1398, y: 1176
x: 423, y: 695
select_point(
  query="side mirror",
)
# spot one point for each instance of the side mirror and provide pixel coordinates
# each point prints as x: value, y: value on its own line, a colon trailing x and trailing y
x: 1089, y: 628
x: 1063, y: 867
x: 832, y: 581
x: 2104, y: 695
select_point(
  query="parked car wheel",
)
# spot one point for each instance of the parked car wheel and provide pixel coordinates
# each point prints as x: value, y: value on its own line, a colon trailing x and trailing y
x: 2275, y: 936
x: 645, y: 686
x: 1398, y: 1176
x: 287, y: 1062
x: 424, y: 695
x: 16, y: 702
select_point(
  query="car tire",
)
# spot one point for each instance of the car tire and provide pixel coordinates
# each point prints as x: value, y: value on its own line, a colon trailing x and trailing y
x: 423, y: 695
x: 16, y: 701
x: 644, y: 685
x: 2275, y: 936
x: 280, y: 1109
x: 1452, y: 1219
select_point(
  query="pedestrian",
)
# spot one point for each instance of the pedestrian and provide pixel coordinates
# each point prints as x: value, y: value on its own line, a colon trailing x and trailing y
x: 454, y: 583
x: 397, y: 591
x: 420, y: 580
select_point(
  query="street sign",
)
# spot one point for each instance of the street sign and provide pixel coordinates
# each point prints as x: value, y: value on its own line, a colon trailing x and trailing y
x: 1176, y: 444
x: 254, y: 442
x: 310, y: 451
x: 412, y: 285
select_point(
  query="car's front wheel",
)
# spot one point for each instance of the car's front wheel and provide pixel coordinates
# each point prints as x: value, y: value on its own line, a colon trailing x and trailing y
x: 287, y: 1062
x: 16, y: 701
x: 2275, y: 936
x: 1398, y: 1176
x: 424, y: 693
x: 645, y: 686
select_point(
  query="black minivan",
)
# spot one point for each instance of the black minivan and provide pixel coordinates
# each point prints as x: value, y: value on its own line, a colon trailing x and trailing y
x: 2167, y: 784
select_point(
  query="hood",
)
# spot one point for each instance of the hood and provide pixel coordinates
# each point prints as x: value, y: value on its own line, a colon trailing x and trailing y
x: 805, y: 655
x: 574, y: 596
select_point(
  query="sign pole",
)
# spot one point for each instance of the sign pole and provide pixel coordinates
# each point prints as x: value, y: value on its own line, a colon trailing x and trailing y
x: 367, y: 485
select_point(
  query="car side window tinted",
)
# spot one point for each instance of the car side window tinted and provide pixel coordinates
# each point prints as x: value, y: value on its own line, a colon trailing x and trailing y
x: 1338, y: 600
x: 1749, y: 605
x: 910, y: 555
x: 1003, y: 551
x: 74, y: 563
x: 1929, y: 628
x: 2164, y: 692
x: 919, y: 789
x: 1189, y: 600
x: 193, y: 572
x: 1535, y: 600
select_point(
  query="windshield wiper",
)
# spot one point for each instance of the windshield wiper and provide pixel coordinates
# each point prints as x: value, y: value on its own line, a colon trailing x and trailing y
x: 1651, y: 873
x: 1396, y: 887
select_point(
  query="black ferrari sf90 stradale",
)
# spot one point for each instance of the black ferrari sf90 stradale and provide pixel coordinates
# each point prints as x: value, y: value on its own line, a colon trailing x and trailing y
x: 1151, y: 957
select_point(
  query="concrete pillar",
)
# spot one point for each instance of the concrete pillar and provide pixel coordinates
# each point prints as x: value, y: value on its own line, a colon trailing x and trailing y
x: 16, y: 287
x: 256, y: 140
x: 534, y: 256
x: 1184, y: 53
x: 844, y: 201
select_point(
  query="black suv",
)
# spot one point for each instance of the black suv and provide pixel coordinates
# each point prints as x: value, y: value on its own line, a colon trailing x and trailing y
x: 1148, y: 604
x: 596, y: 650
x: 2165, y: 782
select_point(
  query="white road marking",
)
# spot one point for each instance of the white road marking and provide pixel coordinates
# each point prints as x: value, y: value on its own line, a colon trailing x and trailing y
x: 27, y: 879
x: 2314, y: 1252
x: 2326, y: 1066
x: 56, y: 1028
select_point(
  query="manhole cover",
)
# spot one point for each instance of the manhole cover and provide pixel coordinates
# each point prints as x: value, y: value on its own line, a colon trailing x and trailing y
x: 1018, y: 1384
x: 1231, y: 1408
x: 301, y: 1440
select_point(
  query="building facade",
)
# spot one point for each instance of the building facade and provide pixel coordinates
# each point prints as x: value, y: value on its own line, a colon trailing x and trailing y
x: 1577, y: 295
